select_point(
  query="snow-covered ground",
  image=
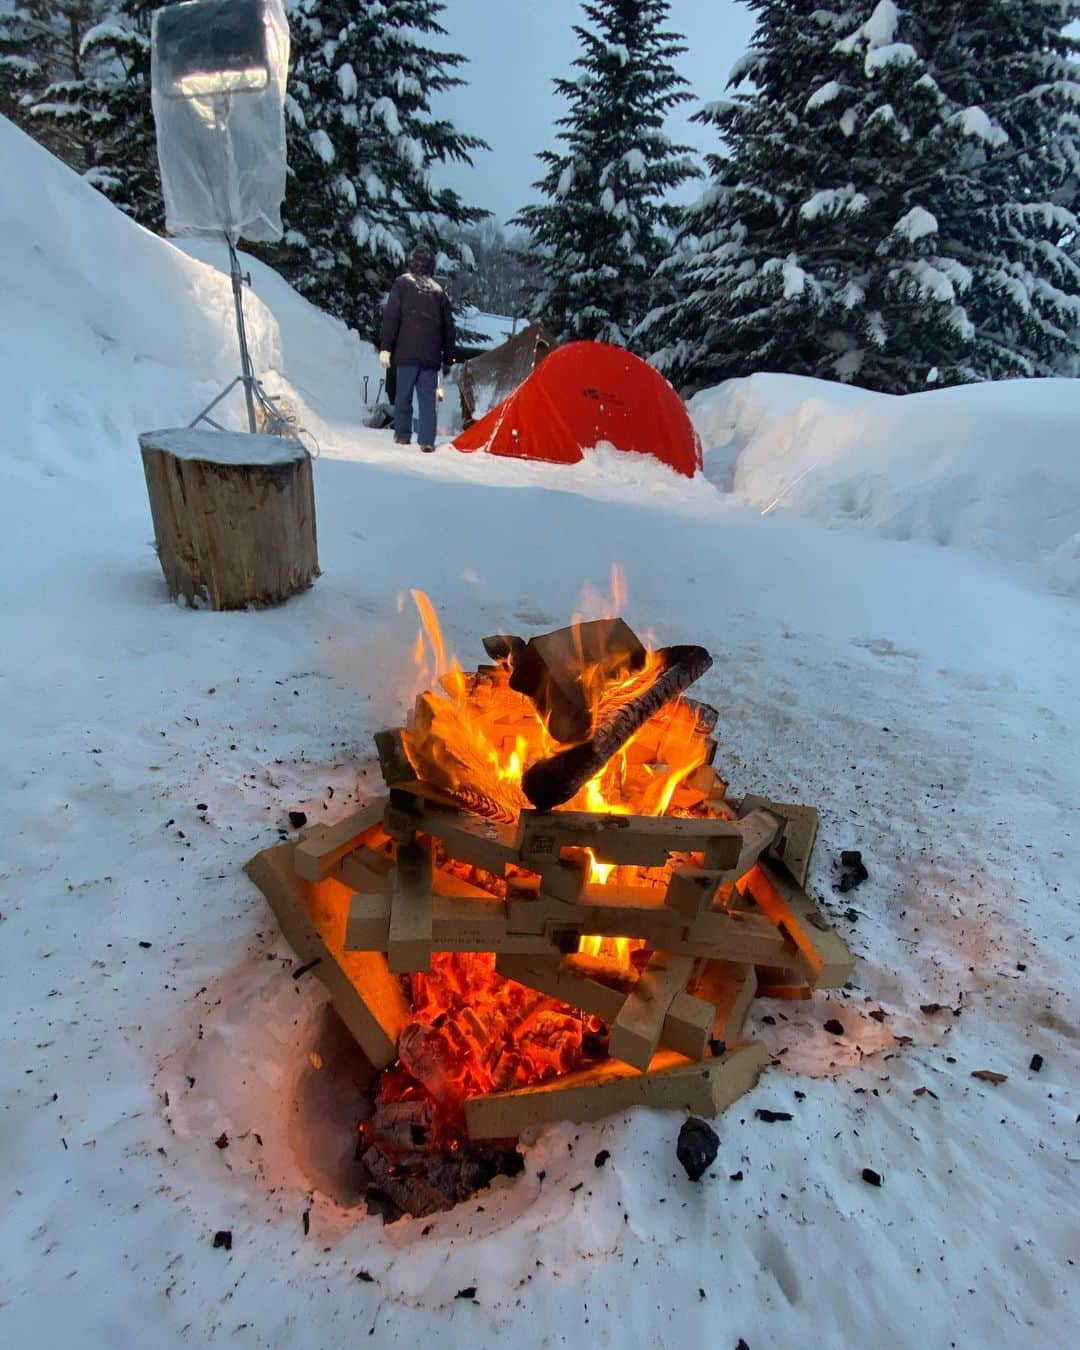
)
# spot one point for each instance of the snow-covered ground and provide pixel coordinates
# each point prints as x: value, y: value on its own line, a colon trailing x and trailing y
x: 922, y: 696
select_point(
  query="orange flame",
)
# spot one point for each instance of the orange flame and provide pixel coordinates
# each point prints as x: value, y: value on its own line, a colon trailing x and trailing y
x: 476, y: 732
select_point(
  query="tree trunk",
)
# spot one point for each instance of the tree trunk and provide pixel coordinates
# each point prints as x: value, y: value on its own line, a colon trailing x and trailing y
x: 234, y: 516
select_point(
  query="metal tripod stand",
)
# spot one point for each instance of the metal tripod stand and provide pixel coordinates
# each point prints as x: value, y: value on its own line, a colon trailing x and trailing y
x: 260, y: 406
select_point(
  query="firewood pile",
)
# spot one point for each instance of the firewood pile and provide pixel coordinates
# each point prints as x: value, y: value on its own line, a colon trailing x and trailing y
x: 508, y: 966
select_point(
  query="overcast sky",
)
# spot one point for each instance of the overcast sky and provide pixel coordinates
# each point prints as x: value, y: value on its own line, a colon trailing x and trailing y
x: 517, y: 47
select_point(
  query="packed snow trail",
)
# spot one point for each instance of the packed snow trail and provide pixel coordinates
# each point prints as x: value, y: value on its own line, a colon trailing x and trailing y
x: 923, y: 697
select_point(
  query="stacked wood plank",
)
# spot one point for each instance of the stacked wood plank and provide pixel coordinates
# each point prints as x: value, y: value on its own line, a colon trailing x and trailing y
x: 718, y: 901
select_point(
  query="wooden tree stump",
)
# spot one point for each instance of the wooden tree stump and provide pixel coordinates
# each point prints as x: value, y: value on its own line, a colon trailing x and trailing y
x: 234, y: 515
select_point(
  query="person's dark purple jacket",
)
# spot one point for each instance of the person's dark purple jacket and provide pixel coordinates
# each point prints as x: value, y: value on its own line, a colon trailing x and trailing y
x: 418, y: 325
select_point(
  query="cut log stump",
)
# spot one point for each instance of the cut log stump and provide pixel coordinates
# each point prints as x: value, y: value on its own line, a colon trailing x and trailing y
x: 234, y: 515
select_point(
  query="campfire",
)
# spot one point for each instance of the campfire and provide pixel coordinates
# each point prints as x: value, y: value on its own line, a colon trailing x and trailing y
x: 555, y: 912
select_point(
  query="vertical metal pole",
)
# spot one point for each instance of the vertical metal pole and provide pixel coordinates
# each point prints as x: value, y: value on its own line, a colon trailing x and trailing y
x: 247, y: 373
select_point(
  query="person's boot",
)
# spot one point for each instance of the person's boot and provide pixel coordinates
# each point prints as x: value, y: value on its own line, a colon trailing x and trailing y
x: 428, y: 449
x: 399, y: 441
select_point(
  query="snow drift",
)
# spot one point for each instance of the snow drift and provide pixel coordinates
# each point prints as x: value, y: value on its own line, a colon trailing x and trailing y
x: 109, y: 329
x: 991, y: 467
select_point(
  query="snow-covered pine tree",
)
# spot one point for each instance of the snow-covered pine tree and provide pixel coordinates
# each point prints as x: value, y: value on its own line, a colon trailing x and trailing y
x: 41, y: 42
x: 362, y: 143
x: 897, y: 206
x: 606, y: 223
x: 21, y: 72
x: 108, y: 105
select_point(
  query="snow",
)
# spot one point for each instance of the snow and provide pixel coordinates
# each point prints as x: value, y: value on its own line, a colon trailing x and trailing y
x: 829, y: 91
x: 494, y: 329
x: 896, y: 54
x: 347, y: 82
x: 832, y: 201
x: 975, y: 122
x: 224, y: 447
x: 880, y: 28
x: 916, y: 224
x: 923, y: 696
x: 385, y: 110
x: 989, y: 468
x: 323, y: 146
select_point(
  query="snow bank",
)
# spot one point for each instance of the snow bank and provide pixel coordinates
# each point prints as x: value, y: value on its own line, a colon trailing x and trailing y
x: 108, y: 329
x: 992, y: 467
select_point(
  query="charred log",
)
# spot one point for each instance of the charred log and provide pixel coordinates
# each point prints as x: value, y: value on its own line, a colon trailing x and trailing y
x: 552, y: 669
x: 553, y: 781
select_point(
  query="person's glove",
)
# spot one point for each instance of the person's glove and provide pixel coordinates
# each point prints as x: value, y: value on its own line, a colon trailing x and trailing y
x: 384, y: 359
x: 446, y: 370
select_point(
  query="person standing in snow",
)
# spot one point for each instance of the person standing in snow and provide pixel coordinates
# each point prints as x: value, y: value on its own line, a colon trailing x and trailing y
x: 417, y: 336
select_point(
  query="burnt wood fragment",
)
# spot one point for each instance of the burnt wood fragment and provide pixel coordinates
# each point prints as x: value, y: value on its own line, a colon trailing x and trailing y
x: 551, y: 782
x: 550, y: 668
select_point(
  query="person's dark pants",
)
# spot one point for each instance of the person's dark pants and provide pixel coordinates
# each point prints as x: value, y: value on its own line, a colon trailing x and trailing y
x: 424, y: 382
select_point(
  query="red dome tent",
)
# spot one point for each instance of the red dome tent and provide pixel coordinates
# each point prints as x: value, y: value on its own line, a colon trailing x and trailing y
x: 580, y: 395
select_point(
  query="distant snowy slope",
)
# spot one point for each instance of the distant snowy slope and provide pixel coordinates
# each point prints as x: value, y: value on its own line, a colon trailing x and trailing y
x: 109, y: 329
x: 991, y: 467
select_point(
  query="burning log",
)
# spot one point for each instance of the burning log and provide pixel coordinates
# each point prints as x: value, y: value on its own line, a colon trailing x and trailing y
x: 553, y: 781
x: 555, y: 669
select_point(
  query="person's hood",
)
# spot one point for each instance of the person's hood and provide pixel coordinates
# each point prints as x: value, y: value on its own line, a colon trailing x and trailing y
x: 421, y: 261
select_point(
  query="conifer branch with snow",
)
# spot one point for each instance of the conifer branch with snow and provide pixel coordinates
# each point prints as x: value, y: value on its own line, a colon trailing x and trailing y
x: 605, y: 225
x: 362, y: 144
x: 897, y: 206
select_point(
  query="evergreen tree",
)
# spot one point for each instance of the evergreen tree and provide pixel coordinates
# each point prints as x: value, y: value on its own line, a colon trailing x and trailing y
x: 606, y: 225
x: 41, y: 42
x: 499, y: 272
x: 362, y: 143
x: 107, y: 103
x: 897, y: 205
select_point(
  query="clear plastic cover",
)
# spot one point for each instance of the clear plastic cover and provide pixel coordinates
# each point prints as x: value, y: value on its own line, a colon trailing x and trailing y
x: 218, y: 72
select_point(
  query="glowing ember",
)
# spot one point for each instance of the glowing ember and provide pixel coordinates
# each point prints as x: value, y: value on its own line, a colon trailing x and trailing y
x: 473, y: 1033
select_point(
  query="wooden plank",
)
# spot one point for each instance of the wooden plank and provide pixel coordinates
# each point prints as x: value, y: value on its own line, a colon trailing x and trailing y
x: 759, y: 830
x: 737, y: 936
x: 488, y: 844
x: 692, y: 889
x: 365, y: 995
x: 319, y: 854
x: 563, y: 879
x: 462, y: 923
x: 550, y: 975
x: 366, y: 872
x: 646, y: 841
x: 688, y: 1026
x: 635, y: 1033
x: 408, y: 945
x: 795, y: 846
x: 672, y: 1084
x: 822, y: 954
x: 659, y: 927
x: 729, y: 988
